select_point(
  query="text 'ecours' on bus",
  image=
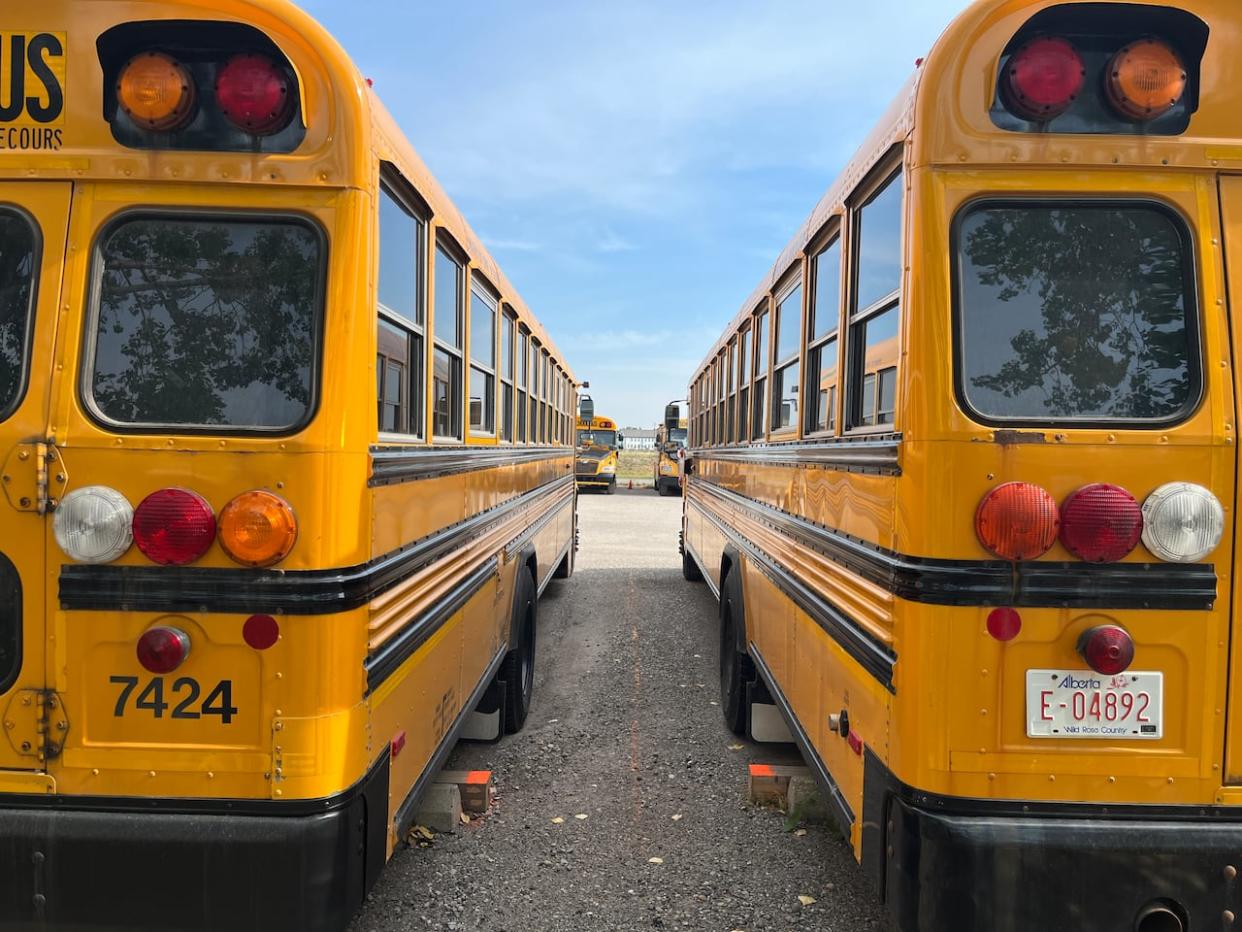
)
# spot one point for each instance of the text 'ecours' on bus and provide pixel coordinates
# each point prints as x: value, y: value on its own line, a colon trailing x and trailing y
x: 963, y: 477
x: 287, y: 463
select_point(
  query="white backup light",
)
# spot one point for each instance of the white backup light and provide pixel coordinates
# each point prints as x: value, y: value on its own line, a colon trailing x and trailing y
x: 1182, y: 522
x: 94, y: 524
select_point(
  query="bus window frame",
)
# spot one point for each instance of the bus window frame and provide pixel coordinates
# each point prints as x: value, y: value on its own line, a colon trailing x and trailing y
x: 506, y: 420
x: 744, y: 373
x: 793, y: 279
x: 36, y: 279
x: 444, y: 242
x: 888, y: 171
x: 521, y: 377
x: 1196, y: 369
x: 832, y: 235
x: 761, y: 316
x: 90, y: 319
x: 482, y: 289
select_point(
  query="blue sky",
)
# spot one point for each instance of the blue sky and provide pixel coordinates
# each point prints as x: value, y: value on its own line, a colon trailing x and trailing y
x: 636, y: 167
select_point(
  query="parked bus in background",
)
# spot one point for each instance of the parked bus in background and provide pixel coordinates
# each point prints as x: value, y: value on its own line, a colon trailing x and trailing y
x: 287, y: 462
x: 983, y: 559
x: 598, y: 454
x: 670, y: 450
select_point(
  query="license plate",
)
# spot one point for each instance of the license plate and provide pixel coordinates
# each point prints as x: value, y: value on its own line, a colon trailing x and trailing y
x: 1084, y: 704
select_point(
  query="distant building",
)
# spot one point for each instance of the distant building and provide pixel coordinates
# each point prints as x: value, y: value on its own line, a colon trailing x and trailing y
x: 638, y: 439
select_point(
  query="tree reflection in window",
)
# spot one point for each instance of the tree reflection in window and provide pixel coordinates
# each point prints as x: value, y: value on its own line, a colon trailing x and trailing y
x: 1075, y: 312
x: 17, y: 259
x: 207, y: 323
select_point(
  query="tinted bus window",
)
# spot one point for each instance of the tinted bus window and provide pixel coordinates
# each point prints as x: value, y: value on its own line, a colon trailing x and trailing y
x: 206, y: 323
x: 1075, y: 311
x: 17, y: 274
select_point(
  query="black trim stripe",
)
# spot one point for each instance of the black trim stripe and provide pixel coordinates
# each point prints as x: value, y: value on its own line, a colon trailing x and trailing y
x: 527, y: 535
x: 877, y: 455
x: 836, y: 799
x: 391, y: 465
x: 409, y: 806
x: 874, y: 656
x: 982, y: 582
x: 388, y: 659
x: 288, y: 592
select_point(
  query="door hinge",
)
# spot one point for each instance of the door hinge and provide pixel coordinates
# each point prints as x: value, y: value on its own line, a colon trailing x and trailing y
x: 36, y: 724
x: 34, y: 476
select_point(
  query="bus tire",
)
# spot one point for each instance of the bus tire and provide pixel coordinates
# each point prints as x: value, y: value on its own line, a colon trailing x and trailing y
x: 612, y: 487
x: 736, y: 669
x: 518, y: 669
x: 689, y: 568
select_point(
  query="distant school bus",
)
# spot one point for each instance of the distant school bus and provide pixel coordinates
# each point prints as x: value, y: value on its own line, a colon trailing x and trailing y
x: 964, y: 477
x: 599, y: 444
x: 671, y: 439
x: 286, y: 464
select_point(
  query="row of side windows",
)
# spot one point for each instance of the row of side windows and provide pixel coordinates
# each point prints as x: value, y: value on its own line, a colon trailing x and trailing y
x: 784, y: 371
x: 517, y: 395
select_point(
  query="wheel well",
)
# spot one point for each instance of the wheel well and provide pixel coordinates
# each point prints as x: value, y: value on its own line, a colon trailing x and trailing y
x: 730, y: 562
x: 527, y: 563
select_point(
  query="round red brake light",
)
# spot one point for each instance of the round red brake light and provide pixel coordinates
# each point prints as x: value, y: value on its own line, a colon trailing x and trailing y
x: 174, y: 526
x: 163, y: 649
x: 1101, y: 523
x: 1108, y: 649
x: 254, y: 94
x: 1043, y: 78
x: 1017, y: 521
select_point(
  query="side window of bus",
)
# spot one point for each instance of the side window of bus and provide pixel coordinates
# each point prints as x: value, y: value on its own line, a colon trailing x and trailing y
x: 507, y: 325
x: 482, y: 359
x: 206, y: 322
x: 824, y: 308
x: 743, y: 381
x: 788, y: 338
x: 523, y: 382
x: 446, y: 376
x: 1076, y: 311
x: 875, y: 310
x: 759, y: 419
x: 399, y: 352
x: 731, y: 401
x: 18, y: 257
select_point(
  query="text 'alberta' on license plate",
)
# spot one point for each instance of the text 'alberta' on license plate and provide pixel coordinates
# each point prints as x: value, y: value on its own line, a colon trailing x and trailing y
x: 1085, y: 704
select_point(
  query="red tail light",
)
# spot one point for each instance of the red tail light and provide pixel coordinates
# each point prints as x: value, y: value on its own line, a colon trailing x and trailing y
x: 1017, y: 521
x: 261, y: 631
x: 1108, y: 649
x: 174, y: 526
x: 253, y: 94
x: 163, y: 649
x: 1004, y: 624
x: 1043, y: 78
x: 1101, y: 523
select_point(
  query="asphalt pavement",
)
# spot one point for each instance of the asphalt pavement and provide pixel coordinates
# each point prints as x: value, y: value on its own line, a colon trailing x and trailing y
x: 626, y: 746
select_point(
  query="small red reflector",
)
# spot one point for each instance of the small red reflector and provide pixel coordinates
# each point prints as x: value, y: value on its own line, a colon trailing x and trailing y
x: 1043, y: 78
x: 1101, y: 523
x: 163, y: 649
x: 261, y: 631
x: 855, y: 742
x: 174, y: 526
x: 1017, y: 521
x: 1108, y: 649
x: 398, y: 743
x: 253, y: 94
x: 1004, y: 624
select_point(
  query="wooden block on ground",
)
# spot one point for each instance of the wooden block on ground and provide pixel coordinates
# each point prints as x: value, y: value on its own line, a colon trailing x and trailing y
x: 475, y: 787
x: 769, y: 783
x: 440, y: 808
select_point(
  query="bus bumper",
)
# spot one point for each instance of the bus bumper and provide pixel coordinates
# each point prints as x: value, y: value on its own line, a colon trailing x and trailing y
x: 107, y: 863
x: 671, y: 483
x: 1048, y: 871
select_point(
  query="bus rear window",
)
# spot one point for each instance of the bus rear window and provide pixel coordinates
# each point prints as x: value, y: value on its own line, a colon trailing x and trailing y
x: 17, y: 274
x: 207, y: 323
x: 1076, y: 312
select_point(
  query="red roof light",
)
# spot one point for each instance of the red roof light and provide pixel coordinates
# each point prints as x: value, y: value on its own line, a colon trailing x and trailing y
x: 253, y: 93
x: 1043, y: 78
x: 1101, y: 523
x: 174, y: 526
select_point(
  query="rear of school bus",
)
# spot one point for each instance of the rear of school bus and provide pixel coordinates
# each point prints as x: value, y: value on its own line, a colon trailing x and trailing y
x: 1064, y: 747
x: 183, y: 236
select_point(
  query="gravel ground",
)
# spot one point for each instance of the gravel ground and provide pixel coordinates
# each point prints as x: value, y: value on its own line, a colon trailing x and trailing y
x: 625, y: 730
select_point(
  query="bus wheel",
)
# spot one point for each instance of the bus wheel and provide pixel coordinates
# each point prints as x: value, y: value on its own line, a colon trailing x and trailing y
x: 735, y: 667
x: 689, y: 568
x: 518, y: 669
x: 612, y: 487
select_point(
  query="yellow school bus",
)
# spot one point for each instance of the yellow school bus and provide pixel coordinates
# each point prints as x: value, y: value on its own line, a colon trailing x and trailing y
x: 286, y: 464
x: 964, y: 477
x: 599, y: 444
x: 671, y: 439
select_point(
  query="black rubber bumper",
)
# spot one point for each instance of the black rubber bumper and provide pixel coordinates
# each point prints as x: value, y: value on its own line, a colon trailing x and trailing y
x: 73, y: 863
x: 1041, y: 871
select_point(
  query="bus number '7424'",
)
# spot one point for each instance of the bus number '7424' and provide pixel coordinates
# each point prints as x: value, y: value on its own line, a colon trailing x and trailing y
x: 183, y: 698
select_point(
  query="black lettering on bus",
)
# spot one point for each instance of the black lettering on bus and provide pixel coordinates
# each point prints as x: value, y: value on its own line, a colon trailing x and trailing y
x: 42, y: 44
x: 17, y: 81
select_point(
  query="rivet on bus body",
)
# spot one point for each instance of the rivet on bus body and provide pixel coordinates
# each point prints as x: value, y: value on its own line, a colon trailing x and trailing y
x: 150, y: 773
x: 1227, y: 917
x: 991, y: 476
x: 24, y: 455
x: 1112, y: 779
x: 983, y: 711
x: 983, y: 672
x: 279, y: 713
x: 279, y: 675
x: 211, y: 775
x: 1170, y: 781
x: 279, y: 726
x: 277, y: 793
x: 280, y: 485
x: 991, y: 776
x: 1052, y: 778
x: 223, y: 443
x: 94, y: 771
x: 1112, y: 438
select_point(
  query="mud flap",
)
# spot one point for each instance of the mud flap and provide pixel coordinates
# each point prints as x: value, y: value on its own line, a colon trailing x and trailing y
x: 767, y: 724
x: 486, y: 721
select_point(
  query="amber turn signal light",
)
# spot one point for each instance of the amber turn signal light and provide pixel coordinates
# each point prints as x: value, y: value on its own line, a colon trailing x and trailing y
x: 257, y: 528
x: 1146, y: 79
x: 156, y: 91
